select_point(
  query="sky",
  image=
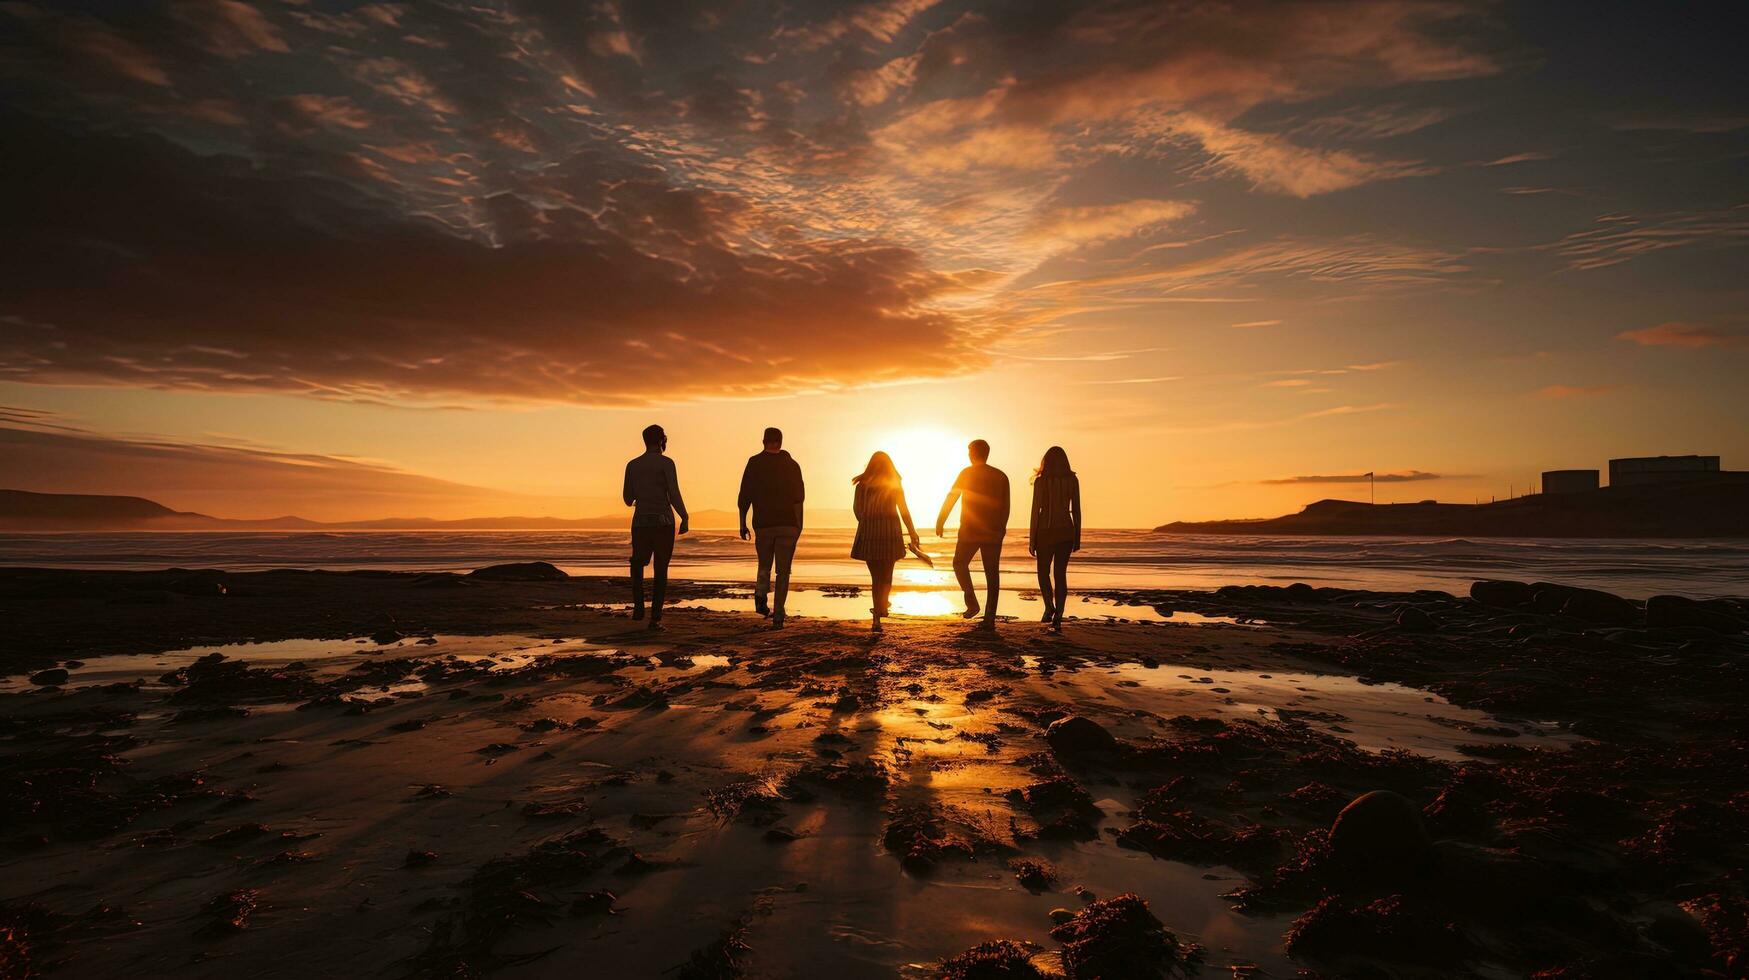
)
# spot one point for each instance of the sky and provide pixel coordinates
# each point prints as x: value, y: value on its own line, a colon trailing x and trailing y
x: 350, y: 261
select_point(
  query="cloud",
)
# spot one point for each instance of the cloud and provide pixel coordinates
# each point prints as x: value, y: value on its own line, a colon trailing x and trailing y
x: 1137, y: 381
x: 1519, y: 158
x: 47, y: 455
x: 1407, y: 476
x: 1275, y: 164
x: 1092, y: 223
x: 1373, y: 122
x: 229, y: 28
x: 1676, y: 334
x: 878, y: 21
x: 1575, y: 391
x: 1621, y: 238
x: 1254, y: 324
x: 148, y: 265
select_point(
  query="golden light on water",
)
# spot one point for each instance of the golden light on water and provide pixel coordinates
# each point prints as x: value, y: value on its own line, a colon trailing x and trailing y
x: 925, y: 603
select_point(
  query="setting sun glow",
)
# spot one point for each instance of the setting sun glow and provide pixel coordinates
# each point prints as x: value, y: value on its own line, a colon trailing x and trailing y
x: 928, y: 459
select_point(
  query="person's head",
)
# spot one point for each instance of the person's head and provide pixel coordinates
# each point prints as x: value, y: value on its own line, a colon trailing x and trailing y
x: 1055, y: 463
x: 880, y: 471
x: 655, y: 439
x: 979, y: 451
x: 773, y: 439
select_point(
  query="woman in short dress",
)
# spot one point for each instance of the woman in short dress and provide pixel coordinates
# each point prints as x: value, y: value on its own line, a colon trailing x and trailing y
x: 880, y: 507
x: 1056, y: 530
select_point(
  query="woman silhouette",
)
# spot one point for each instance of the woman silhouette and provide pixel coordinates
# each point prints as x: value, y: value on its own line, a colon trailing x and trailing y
x: 1055, y: 529
x: 879, y: 507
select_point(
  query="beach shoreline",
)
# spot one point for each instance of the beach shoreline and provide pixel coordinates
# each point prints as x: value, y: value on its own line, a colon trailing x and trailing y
x: 421, y: 774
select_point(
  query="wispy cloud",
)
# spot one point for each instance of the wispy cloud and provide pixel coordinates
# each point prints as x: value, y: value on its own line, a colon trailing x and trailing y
x: 1622, y: 237
x: 1136, y: 381
x: 1574, y: 391
x: 1510, y: 159
x: 1676, y: 334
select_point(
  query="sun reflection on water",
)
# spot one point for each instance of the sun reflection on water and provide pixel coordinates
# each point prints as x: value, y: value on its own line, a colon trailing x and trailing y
x: 924, y: 603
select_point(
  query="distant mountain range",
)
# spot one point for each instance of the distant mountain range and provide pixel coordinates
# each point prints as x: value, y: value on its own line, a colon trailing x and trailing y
x: 1717, y: 507
x: 22, y: 510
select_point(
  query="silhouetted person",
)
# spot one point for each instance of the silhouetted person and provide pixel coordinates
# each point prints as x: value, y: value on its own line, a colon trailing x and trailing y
x: 652, y: 490
x: 771, y: 486
x: 1055, y: 530
x: 982, y: 492
x: 880, y: 507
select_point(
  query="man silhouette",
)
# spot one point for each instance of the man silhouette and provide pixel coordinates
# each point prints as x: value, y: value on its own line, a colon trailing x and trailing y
x: 771, y: 486
x: 982, y: 491
x: 652, y: 490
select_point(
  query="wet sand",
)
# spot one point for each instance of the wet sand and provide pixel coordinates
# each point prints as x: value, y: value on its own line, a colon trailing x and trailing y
x: 295, y: 774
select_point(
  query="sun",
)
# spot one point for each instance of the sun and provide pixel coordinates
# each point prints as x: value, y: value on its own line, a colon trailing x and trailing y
x: 929, y: 459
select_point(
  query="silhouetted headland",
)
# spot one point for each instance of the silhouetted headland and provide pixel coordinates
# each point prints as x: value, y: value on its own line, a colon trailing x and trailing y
x: 22, y: 510
x: 1713, y: 508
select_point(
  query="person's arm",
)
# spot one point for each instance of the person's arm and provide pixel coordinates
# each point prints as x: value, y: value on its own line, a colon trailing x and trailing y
x: 905, y: 515
x: 679, y: 505
x: 801, y: 492
x: 1075, y: 508
x: 745, y: 500
x: 856, y: 503
x: 953, y: 497
x: 1032, y: 524
x: 1007, y: 507
x: 626, y: 492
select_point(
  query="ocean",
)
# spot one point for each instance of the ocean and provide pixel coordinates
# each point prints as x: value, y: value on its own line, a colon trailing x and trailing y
x: 1109, y: 559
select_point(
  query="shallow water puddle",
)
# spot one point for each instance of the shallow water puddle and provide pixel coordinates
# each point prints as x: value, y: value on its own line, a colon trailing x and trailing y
x: 1373, y: 716
x: 329, y: 658
x: 917, y: 603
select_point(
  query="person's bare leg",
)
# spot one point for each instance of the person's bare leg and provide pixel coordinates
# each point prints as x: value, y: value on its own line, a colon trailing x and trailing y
x: 1044, y: 585
x: 1060, y: 564
x: 962, y: 571
x: 877, y: 607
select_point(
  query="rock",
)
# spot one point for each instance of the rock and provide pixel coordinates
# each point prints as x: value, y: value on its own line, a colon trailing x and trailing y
x: 523, y: 571
x: 1548, y: 598
x: 1413, y: 620
x: 1395, y: 928
x: 383, y: 638
x: 1061, y: 915
x: 419, y: 859
x: 1502, y: 593
x: 1379, y: 831
x: 1603, y: 608
x: 1119, y: 937
x: 1076, y: 734
x: 1679, y: 611
x: 50, y: 677
x: 999, y: 959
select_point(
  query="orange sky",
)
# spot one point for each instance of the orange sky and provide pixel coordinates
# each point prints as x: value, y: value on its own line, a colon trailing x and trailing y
x: 398, y: 260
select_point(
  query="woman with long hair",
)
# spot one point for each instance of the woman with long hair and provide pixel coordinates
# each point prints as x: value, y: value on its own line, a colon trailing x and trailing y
x: 880, y: 507
x: 1055, y: 530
